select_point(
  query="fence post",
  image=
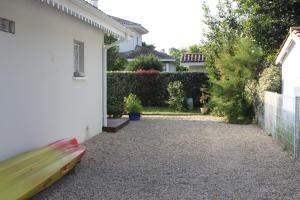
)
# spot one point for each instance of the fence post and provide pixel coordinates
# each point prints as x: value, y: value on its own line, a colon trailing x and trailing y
x: 297, y: 127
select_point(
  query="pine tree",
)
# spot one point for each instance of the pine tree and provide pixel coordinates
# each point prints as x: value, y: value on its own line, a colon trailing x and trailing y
x: 237, y: 67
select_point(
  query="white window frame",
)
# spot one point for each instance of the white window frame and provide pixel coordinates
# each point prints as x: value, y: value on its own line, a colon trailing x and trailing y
x: 78, y: 57
x: 7, y: 25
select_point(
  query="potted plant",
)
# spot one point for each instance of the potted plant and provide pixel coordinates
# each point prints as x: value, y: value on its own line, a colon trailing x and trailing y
x: 133, y: 107
x: 203, y: 99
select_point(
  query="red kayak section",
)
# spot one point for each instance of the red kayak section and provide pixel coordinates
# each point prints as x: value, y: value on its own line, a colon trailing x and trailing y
x: 67, y: 145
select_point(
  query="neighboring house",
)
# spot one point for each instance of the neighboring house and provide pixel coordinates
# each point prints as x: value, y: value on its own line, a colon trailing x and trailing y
x: 53, y: 71
x: 194, y: 62
x: 137, y: 38
x: 288, y: 58
x: 133, y: 48
x: 168, y: 61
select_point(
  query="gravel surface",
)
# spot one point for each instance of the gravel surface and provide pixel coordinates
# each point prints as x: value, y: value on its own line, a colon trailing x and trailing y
x: 193, y: 157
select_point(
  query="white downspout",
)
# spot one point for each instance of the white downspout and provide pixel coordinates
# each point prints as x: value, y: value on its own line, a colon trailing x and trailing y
x: 104, y: 86
x: 105, y: 48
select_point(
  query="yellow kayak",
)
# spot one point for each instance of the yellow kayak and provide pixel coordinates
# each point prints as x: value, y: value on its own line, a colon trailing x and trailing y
x: 25, y: 175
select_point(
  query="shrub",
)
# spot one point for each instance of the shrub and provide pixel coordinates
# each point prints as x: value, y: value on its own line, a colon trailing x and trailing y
x: 117, y: 89
x: 269, y: 80
x: 115, y: 110
x: 204, y: 95
x: 147, y: 62
x: 150, y: 88
x: 115, y: 62
x: 143, y: 72
x: 133, y: 104
x: 236, y: 66
x: 176, y: 98
x: 180, y: 68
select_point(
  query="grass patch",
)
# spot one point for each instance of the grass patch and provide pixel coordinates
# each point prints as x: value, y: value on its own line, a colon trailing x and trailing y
x: 168, y: 111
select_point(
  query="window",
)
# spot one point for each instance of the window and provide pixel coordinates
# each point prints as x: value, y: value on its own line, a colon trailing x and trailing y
x: 164, y: 68
x: 78, y: 59
x: 7, y: 25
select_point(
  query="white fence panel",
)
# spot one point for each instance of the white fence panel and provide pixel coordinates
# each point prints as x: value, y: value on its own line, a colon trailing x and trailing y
x: 281, y: 119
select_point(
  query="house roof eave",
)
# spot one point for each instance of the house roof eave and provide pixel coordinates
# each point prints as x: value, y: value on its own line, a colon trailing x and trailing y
x: 286, y: 48
x: 91, y: 15
x: 292, y: 38
x: 136, y: 27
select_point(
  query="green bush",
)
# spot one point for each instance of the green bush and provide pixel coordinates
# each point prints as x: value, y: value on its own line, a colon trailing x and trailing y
x: 180, y: 68
x: 237, y: 67
x: 147, y: 62
x: 204, y: 95
x: 115, y: 110
x: 269, y: 80
x: 117, y: 89
x: 176, y: 95
x: 132, y: 104
x: 115, y: 62
x: 150, y: 88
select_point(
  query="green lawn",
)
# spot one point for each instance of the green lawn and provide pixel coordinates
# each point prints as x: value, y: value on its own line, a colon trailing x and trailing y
x: 168, y: 111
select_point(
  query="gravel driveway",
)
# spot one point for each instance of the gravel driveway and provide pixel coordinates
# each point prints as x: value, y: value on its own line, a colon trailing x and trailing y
x: 181, y: 158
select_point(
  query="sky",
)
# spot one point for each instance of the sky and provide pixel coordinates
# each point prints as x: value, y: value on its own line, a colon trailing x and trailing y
x: 171, y: 23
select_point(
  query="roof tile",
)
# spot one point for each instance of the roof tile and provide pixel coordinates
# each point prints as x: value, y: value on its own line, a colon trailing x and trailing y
x: 192, y: 57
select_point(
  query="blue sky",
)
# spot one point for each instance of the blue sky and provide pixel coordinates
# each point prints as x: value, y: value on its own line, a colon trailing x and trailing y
x: 170, y: 23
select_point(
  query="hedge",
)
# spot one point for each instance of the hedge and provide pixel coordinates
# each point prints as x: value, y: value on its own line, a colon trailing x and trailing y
x: 151, y: 88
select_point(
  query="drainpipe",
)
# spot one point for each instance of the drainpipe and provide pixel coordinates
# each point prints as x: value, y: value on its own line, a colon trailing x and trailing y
x: 104, y: 86
x: 105, y: 48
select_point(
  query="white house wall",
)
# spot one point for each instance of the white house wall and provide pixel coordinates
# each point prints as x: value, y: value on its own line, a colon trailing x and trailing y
x: 40, y: 101
x: 129, y: 45
x: 169, y: 67
x: 197, y: 69
x: 291, y: 72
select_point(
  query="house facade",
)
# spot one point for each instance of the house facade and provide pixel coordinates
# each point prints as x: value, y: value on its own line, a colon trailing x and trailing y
x: 194, y: 62
x: 53, y: 79
x: 169, y: 63
x: 137, y: 38
x: 288, y: 59
x: 133, y: 48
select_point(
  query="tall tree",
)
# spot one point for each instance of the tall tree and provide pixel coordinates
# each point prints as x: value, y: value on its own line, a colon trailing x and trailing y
x: 268, y: 21
x: 177, y: 53
x: 195, y: 49
x: 237, y: 67
x: 232, y: 60
x: 222, y: 29
x: 149, y: 46
x: 115, y: 62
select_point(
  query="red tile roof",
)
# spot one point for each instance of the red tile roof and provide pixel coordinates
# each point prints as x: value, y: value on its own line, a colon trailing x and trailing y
x: 192, y: 57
